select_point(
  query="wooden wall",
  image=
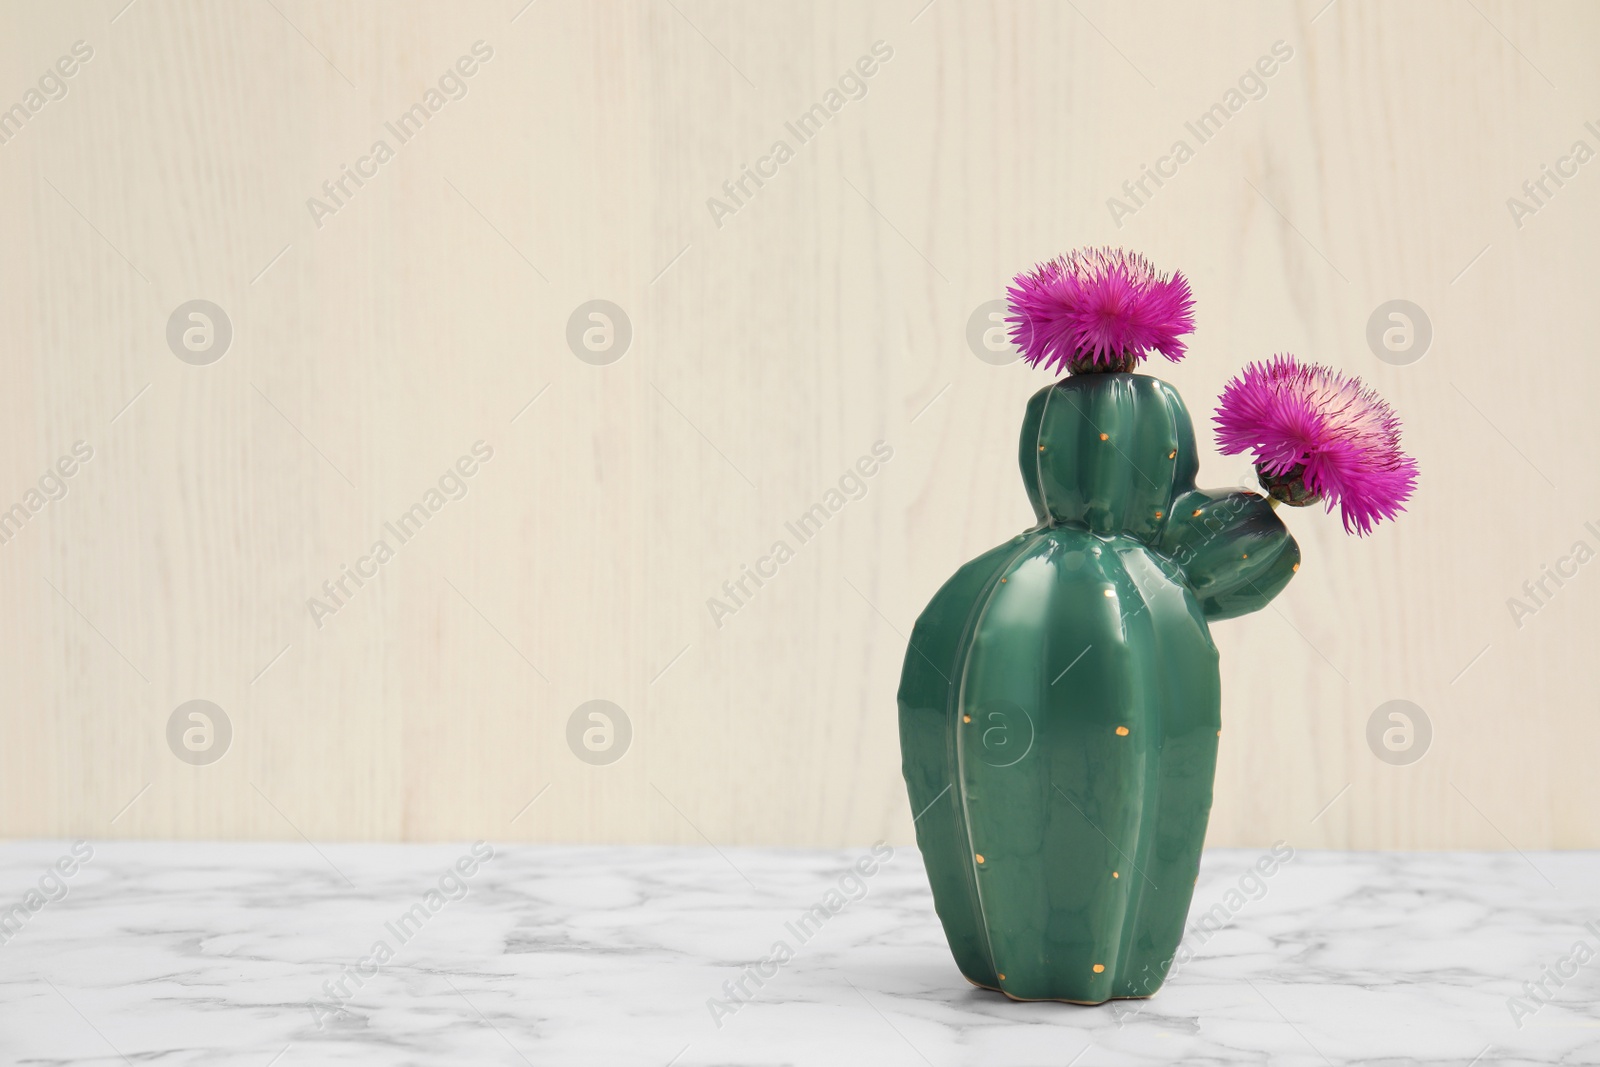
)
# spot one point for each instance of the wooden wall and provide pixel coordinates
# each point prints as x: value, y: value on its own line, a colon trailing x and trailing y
x: 381, y: 333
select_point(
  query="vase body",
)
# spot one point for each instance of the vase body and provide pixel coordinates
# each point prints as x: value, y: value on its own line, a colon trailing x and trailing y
x: 1060, y: 700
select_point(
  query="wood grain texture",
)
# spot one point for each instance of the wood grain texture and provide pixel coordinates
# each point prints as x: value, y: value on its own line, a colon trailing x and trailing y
x: 771, y: 348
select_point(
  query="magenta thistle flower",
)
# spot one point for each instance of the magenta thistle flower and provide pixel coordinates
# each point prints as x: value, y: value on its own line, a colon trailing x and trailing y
x: 1318, y: 434
x: 1098, y: 309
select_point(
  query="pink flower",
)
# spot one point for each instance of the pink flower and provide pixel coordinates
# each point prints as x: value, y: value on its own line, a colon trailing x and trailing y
x: 1313, y: 429
x: 1098, y: 309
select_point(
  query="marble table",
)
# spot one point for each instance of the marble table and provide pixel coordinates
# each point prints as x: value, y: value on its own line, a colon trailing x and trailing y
x: 278, y: 955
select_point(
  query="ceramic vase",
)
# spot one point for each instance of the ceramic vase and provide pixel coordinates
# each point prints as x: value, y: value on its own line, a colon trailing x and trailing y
x: 1060, y: 701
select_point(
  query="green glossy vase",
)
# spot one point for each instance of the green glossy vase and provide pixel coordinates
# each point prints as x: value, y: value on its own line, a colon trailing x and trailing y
x: 1060, y: 702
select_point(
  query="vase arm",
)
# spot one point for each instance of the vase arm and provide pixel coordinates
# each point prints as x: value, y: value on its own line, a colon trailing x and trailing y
x: 1235, y: 551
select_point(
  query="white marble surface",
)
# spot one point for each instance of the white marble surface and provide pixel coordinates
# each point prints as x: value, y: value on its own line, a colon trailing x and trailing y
x: 212, y: 954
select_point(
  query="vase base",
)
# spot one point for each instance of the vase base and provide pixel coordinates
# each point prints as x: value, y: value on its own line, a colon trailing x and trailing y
x: 1053, y: 1000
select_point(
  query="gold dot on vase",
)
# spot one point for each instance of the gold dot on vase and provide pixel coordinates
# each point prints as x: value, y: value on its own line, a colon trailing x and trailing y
x: 1195, y: 513
x: 979, y: 855
x: 1122, y: 731
x: 1041, y: 448
x: 1105, y: 437
x: 1002, y: 581
x: 1114, y: 874
x: 1245, y: 556
x: 1001, y: 977
x: 1111, y: 592
x: 1158, y: 514
x: 1099, y: 967
x: 966, y: 718
x: 1173, y: 454
x: 1295, y: 567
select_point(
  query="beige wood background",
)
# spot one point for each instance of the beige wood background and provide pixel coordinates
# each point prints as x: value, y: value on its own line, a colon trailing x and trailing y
x: 769, y: 352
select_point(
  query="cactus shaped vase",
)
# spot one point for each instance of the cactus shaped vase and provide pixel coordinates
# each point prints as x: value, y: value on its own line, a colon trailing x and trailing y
x: 1060, y: 700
